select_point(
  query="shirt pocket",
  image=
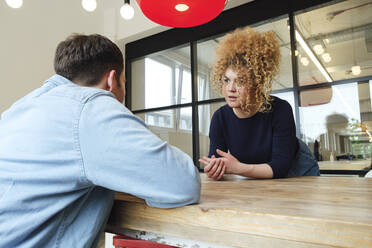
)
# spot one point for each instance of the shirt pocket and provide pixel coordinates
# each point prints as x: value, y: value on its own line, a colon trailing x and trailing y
x: 5, y: 186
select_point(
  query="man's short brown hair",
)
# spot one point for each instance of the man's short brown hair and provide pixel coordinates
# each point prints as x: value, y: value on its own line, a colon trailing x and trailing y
x: 86, y: 58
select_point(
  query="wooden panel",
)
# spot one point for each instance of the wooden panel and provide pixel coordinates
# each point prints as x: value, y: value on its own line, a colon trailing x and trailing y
x: 345, y: 165
x: 294, y: 212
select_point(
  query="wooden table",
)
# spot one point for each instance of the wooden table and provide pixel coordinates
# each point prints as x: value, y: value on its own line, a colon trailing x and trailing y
x: 345, y: 165
x: 236, y: 212
x: 354, y: 167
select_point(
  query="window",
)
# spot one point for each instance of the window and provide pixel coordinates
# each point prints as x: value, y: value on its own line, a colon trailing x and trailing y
x: 158, y: 84
x: 342, y: 126
x: 331, y: 77
x: 335, y: 42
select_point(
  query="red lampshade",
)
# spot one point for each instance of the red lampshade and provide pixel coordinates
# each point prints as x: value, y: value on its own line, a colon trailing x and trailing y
x: 164, y: 12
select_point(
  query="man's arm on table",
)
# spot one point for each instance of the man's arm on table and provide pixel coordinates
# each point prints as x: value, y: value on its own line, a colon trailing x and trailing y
x: 120, y: 153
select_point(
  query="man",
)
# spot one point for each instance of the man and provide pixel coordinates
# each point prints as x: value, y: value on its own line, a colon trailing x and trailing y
x: 65, y: 147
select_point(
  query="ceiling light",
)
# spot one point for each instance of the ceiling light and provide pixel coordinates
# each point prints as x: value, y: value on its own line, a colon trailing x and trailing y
x: 89, y: 5
x: 312, y: 56
x: 326, y: 57
x: 173, y: 13
x: 318, y: 49
x: 296, y: 52
x: 356, y: 70
x: 181, y: 7
x: 15, y: 4
x: 127, y: 11
x: 305, y: 61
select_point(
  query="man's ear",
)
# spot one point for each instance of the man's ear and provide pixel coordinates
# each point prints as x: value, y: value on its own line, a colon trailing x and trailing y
x: 111, y: 83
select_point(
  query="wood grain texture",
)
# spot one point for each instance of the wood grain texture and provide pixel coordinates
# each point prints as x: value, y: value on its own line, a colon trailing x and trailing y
x: 294, y: 212
x: 345, y: 165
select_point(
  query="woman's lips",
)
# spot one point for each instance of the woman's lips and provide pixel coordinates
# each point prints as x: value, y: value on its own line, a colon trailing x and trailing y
x: 232, y: 98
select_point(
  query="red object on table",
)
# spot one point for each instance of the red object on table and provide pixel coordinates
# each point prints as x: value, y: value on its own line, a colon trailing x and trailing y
x: 128, y: 242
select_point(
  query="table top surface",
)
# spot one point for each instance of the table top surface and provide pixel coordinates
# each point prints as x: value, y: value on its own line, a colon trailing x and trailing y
x: 321, y: 211
x: 345, y: 165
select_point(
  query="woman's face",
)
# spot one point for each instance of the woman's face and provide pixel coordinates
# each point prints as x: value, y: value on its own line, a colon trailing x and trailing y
x: 235, y: 93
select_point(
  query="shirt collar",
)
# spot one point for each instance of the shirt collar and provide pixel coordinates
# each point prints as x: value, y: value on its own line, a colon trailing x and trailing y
x: 57, y: 80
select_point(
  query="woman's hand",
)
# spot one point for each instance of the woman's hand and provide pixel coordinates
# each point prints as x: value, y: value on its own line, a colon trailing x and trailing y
x: 214, y: 167
x: 233, y: 165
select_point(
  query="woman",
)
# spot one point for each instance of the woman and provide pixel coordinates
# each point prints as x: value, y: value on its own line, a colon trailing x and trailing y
x: 257, y: 129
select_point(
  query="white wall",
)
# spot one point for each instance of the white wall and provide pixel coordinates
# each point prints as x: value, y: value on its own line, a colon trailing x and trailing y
x: 29, y: 36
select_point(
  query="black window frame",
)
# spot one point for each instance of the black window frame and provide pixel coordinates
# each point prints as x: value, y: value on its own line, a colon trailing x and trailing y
x: 254, y: 12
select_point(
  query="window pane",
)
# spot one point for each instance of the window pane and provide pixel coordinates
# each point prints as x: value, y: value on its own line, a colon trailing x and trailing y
x: 158, y: 123
x: 206, y: 58
x: 206, y: 112
x: 342, y: 128
x: 161, y: 79
x: 338, y: 37
x: 186, y: 86
x: 158, y: 84
x: 185, y: 120
x: 163, y: 118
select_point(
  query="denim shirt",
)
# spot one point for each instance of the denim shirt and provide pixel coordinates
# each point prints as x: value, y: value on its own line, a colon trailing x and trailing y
x: 63, y: 149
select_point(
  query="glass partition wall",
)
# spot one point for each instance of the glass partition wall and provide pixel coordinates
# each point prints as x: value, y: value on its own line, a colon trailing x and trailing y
x: 325, y: 75
x: 161, y: 95
x: 206, y: 58
x: 334, y: 54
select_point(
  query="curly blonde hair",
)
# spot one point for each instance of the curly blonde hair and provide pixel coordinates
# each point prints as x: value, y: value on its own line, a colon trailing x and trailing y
x: 255, y: 58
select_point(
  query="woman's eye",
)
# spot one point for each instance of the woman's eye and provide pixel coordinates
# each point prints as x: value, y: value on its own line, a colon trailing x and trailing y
x: 226, y: 80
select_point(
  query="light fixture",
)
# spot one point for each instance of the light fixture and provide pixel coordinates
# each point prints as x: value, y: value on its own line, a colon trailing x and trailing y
x: 181, y: 13
x: 356, y: 70
x: 296, y: 52
x: 181, y: 7
x: 312, y: 56
x: 15, y: 4
x: 326, y: 57
x: 305, y: 61
x: 318, y: 49
x: 127, y: 11
x: 89, y: 5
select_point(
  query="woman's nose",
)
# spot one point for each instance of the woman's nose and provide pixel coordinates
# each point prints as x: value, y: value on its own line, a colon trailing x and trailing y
x: 231, y: 86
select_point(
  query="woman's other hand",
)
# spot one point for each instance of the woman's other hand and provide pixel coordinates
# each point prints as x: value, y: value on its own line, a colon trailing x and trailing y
x: 214, y: 167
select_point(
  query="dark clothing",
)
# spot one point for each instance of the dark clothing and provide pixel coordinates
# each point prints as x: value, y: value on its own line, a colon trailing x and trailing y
x: 316, y: 150
x: 304, y: 163
x: 263, y: 138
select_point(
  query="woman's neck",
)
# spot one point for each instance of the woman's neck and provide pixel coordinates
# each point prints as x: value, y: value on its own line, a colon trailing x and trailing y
x: 242, y: 114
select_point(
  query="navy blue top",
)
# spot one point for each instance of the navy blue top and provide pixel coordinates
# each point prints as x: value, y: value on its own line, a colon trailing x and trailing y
x: 262, y: 138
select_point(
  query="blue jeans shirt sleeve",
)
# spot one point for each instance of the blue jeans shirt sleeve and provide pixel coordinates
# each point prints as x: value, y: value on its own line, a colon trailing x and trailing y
x: 120, y: 153
x: 64, y: 149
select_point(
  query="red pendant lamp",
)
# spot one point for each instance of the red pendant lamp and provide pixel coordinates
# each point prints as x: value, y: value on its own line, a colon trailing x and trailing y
x: 181, y: 13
